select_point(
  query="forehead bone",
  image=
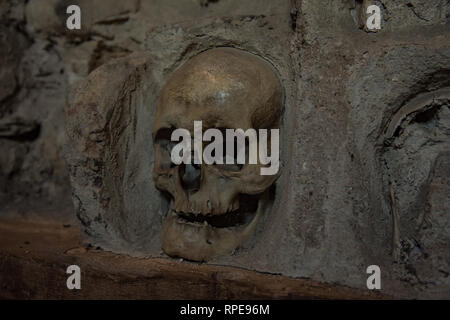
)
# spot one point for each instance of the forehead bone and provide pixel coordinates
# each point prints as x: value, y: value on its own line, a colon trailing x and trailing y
x: 228, y: 80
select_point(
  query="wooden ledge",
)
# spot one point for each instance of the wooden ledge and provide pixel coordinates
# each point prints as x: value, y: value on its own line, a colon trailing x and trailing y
x: 34, y: 256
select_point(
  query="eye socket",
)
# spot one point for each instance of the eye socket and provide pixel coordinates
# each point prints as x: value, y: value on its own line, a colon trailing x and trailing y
x: 163, y: 146
x: 163, y: 135
x: 230, y: 167
x: 233, y: 156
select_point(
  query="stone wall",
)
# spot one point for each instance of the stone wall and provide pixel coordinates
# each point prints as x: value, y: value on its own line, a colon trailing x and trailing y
x: 365, y: 128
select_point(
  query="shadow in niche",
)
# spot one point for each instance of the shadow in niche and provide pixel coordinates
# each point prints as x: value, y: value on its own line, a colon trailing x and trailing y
x: 415, y: 142
x: 426, y: 116
x: 418, y: 109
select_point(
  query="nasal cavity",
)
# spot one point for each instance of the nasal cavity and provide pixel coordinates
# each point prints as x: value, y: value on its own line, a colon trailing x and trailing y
x: 190, y: 177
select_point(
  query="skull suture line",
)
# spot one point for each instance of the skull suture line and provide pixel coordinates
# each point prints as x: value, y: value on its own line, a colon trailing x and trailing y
x: 215, y: 208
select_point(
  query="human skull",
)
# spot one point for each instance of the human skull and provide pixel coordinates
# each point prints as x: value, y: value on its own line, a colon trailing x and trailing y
x: 214, y: 208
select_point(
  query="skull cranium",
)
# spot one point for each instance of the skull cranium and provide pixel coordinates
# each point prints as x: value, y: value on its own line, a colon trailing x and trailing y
x: 215, y: 208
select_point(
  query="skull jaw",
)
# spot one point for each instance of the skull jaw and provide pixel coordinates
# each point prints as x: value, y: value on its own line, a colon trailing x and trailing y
x: 202, y: 242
